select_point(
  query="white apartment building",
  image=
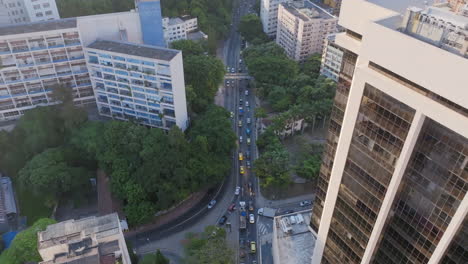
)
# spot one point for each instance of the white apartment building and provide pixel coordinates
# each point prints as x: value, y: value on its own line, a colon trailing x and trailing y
x: 269, y: 15
x: 138, y: 82
x: 393, y: 183
x: 25, y: 11
x: 302, y: 28
x: 332, y: 58
x: 176, y: 28
x: 34, y: 57
x: 87, y: 240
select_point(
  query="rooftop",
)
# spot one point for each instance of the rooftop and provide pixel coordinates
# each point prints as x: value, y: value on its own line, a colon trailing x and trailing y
x: 293, y: 241
x: 38, y: 26
x: 307, y: 10
x: 72, y: 230
x: 174, y: 21
x: 140, y: 50
x: 400, y: 6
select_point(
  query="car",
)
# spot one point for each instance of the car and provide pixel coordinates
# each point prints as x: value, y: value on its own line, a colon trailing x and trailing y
x: 240, y: 60
x: 232, y: 207
x: 240, y: 123
x: 247, y: 103
x: 288, y: 211
x: 252, y: 218
x: 248, y: 141
x: 246, y: 92
x: 228, y: 69
x: 248, y: 164
x: 242, y: 243
x: 305, y: 203
x: 248, y: 118
x: 241, y: 157
x: 253, y: 247
x: 211, y: 204
x: 240, y: 139
x: 241, y: 170
x: 247, y: 154
x: 251, y: 207
x: 247, y: 130
x: 237, y: 192
x: 233, y: 70
x: 232, y: 114
x: 241, y: 110
x: 241, y: 101
x: 240, y: 70
x: 222, y: 220
x: 228, y: 81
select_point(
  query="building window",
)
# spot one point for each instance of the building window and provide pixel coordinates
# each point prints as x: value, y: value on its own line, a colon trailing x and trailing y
x: 39, y: 14
x: 48, y: 13
x: 36, y: 7
x: 46, y: 5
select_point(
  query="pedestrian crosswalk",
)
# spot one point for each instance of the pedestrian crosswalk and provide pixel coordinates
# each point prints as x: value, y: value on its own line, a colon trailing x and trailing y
x: 262, y: 229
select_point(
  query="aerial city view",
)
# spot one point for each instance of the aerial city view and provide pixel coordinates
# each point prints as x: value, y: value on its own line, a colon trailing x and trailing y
x: 233, y: 131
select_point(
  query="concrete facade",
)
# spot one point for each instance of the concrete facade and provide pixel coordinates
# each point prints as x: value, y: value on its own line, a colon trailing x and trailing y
x: 332, y: 58
x: 302, y: 28
x: 139, y: 82
x: 392, y: 186
x: 269, y: 15
x: 24, y: 11
x: 88, y: 240
x: 178, y: 28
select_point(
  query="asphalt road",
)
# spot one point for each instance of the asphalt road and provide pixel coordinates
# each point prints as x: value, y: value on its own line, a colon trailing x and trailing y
x: 200, y: 215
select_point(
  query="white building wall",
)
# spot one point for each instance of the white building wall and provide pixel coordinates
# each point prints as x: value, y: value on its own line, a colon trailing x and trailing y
x: 123, y: 26
x: 40, y: 10
x: 178, y: 89
x: 269, y: 15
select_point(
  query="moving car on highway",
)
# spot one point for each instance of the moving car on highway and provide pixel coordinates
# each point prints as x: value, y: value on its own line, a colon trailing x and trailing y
x: 211, y: 204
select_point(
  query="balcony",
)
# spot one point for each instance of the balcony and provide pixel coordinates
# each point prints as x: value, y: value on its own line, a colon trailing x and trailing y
x: 60, y: 58
x: 72, y: 42
x: 18, y: 49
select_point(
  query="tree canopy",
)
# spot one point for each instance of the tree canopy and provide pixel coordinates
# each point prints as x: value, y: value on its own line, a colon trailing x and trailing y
x: 155, y: 258
x: 188, y: 47
x: 251, y: 29
x: 23, y: 249
x: 208, y: 247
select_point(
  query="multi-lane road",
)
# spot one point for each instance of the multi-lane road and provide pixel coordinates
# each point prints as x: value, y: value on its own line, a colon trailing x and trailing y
x: 240, y: 100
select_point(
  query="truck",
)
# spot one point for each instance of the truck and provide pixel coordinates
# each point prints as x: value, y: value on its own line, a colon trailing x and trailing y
x: 267, y: 212
x: 242, y: 216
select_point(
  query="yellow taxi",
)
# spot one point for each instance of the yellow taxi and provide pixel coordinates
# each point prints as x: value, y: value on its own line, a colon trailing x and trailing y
x: 241, y: 169
x: 241, y: 157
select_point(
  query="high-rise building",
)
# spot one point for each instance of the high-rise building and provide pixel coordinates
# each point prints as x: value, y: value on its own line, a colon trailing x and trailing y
x: 269, y: 15
x: 87, y: 240
x: 34, y: 57
x: 151, y: 22
x: 25, y: 11
x: 302, y: 28
x: 138, y: 82
x: 332, y: 59
x: 394, y: 177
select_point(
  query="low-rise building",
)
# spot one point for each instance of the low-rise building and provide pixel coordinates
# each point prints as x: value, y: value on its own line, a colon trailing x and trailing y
x: 332, y: 58
x: 185, y: 27
x: 88, y: 240
x: 8, y: 210
x: 293, y: 239
x: 138, y: 82
x: 302, y: 28
x: 25, y: 11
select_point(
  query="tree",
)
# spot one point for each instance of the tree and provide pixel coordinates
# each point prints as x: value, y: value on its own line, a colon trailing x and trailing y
x: 48, y: 172
x: 24, y: 247
x: 208, y: 247
x: 311, y: 66
x: 309, y: 168
x: 272, y: 70
x: 250, y: 28
x: 204, y: 74
x: 273, y: 166
x: 260, y: 112
x: 188, y: 47
x: 155, y: 258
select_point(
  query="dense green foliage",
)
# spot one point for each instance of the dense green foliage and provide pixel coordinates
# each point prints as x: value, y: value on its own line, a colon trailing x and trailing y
x: 48, y: 172
x: 294, y: 91
x: 155, y: 258
x: 147, y: 165
x: 214, y: 16
x: 251, y: 29
x: 24, y: 247
x: 74, y: 8
x: 208, y: 247
x: 203, y: 74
